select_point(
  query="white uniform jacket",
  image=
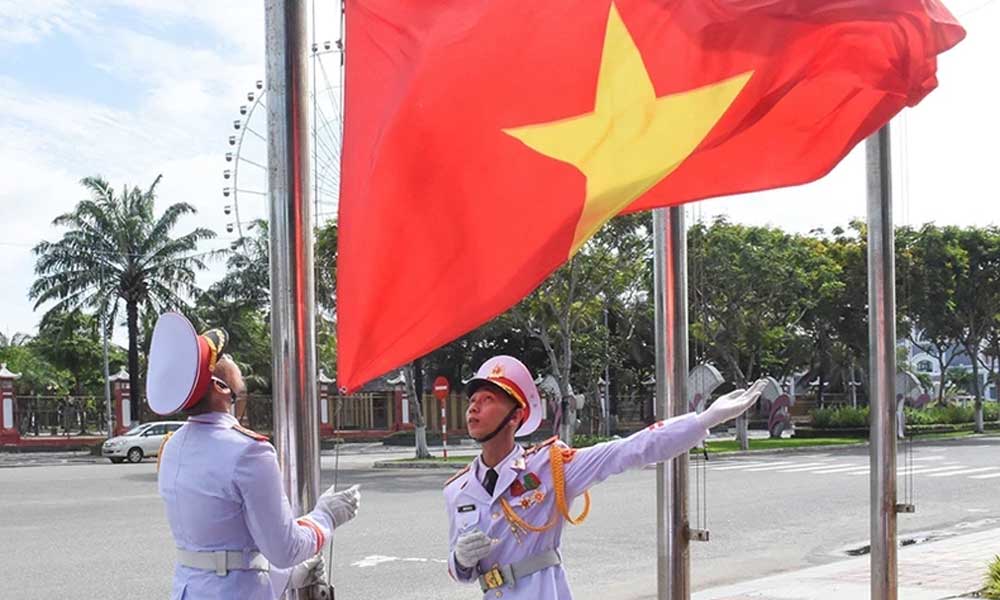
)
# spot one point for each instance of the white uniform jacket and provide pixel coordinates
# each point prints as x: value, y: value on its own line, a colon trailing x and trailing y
x: 525, y: 482
x: 222, y: 488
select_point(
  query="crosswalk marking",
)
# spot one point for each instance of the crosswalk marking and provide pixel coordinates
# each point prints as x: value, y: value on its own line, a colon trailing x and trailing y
x: 816, y: 468
x: 928, y: 469
x: 731, y: 467
x: 793, y: 468
x: 963, y: 471
x: 777, y: 466
x: 840, y: 469
x: 918, y: 470
x: 772, y: 464
x: 824, y: 464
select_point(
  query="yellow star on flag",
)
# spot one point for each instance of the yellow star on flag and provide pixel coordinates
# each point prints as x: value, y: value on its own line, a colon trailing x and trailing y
x: 632, y: 140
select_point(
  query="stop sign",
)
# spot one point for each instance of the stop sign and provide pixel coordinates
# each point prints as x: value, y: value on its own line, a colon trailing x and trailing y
x: 441, y: 388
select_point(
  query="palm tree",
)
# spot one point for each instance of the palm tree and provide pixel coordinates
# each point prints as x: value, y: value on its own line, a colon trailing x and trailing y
x: 14, y: 341
x: 116, y: 251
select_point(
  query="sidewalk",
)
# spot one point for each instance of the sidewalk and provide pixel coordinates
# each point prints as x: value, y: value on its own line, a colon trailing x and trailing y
x: 947, y: 568
x: 48, y: 459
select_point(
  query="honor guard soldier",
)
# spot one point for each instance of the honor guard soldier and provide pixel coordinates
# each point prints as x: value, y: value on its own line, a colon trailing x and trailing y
x: 234, y: 529
x: 508, y: 507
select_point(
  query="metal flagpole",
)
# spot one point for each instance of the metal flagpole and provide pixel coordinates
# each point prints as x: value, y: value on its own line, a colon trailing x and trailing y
x: 291, y: 226
x: 882, y: 345
x: 673, y: 558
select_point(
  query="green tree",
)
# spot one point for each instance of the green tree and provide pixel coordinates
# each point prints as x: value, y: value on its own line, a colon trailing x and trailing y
x: 325, y: 253
x: 565, y: 314
x: 117, y: 251
x: 38, y: 376
x: 247, y: 281
x: 977, y: 296
x: 240, y: 303
x: 72, y: 342
x: 761, y: 291
x: 934, y: 274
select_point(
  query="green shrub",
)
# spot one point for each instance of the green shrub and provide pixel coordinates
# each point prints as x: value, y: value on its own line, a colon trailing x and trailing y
x: 840, y: 418
x: 583, y: 441
x: 846, y: 416
x: 992, y: 582
x: 949, y: 415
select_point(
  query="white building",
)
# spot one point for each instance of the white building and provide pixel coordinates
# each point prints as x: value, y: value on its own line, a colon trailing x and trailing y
x: 924, y: 363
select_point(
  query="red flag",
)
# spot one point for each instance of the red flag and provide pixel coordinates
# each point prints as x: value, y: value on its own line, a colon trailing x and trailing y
x: 485, y: 140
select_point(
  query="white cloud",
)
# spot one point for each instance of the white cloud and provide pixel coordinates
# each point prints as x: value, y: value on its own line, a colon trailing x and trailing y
x: 31, y: 22
x: 186, y: 99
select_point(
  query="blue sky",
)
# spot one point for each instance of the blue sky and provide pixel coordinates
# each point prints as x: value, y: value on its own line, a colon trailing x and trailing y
x: 129, y: 89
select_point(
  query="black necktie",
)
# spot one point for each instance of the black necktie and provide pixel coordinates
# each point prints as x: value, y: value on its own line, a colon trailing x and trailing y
x: 490, y: 481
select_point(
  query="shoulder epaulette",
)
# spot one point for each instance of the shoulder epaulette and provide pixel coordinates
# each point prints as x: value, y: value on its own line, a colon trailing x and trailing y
x: 541, y: 446
x: 250, y: 433
x: 159, y: 453
x: 457, y: 475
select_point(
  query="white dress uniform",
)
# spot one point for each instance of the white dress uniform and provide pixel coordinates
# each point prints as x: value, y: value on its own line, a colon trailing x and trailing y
x: 221, y: 485
x: 470, y: 507
x: 232, y: 524
x: 525, y: 515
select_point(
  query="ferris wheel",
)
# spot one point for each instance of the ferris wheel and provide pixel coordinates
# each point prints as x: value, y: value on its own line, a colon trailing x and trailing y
x: 246, y: 176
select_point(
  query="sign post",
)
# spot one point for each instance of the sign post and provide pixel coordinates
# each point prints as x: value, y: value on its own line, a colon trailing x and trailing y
x: 441, y: 389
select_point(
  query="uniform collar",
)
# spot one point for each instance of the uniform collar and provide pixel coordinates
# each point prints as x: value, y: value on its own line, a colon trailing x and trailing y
x: 507, y: 469
x: 219, y: 419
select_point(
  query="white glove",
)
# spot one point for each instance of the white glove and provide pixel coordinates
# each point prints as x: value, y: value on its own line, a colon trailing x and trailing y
x: 340, y: 506
x: 472, y: 547
x: 308, y: 573
x: 732, y: 405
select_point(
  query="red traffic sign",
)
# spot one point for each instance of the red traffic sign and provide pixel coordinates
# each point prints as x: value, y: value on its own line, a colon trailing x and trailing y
x: 441, y: 388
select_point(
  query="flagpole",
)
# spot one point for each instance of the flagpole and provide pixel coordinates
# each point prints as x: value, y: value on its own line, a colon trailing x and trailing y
x: 673, y: 558
x: 291, y: 225
x: 882, y: 345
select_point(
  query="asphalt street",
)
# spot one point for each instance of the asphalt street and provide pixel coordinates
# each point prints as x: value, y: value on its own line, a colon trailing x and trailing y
x: 96, y: 530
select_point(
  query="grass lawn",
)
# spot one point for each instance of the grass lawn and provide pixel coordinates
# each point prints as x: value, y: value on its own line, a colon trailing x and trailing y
x: 769, y: 444
x: 461, y: 460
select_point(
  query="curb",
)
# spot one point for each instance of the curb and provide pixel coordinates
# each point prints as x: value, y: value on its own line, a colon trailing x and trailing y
x: 798, y: 450
x: 392, y: 464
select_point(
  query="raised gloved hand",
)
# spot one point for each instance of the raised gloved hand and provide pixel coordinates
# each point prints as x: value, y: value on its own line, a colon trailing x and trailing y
x: 472, y: 547
x: 732, y: 405
x: 308, y: 573
x: 340, y: 506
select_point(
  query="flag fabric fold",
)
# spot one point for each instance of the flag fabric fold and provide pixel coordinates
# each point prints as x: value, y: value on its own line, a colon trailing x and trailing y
x: 486, y: 140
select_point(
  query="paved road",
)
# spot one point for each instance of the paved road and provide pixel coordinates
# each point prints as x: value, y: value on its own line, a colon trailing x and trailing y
x: 98, y: 530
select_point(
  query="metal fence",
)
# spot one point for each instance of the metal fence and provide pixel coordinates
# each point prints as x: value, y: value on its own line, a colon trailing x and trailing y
x: 60, y: 415
x: 372, y: 411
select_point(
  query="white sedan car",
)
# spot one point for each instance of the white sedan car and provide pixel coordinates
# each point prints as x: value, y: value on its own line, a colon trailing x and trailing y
x: 139, y: 442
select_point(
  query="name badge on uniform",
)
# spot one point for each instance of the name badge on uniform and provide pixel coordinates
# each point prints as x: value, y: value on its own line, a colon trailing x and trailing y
x: 467, y: 517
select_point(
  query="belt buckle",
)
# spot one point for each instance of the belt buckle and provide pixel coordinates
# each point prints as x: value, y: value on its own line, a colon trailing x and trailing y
x: 493, y: 578
x: 221, y: 558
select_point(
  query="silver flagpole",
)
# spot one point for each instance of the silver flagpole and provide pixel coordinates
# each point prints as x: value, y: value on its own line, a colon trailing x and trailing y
x: 882, y: 346
x: 291, y: 230
x: 673, y: 558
